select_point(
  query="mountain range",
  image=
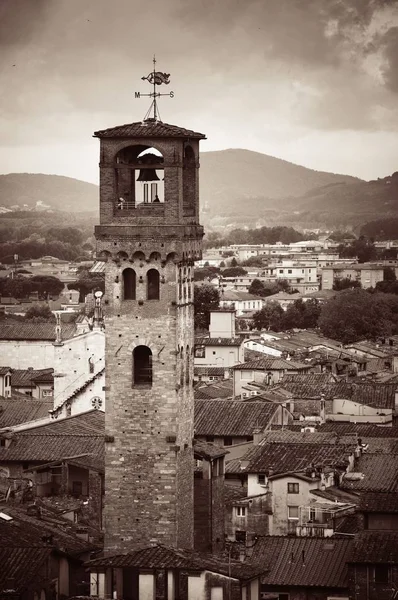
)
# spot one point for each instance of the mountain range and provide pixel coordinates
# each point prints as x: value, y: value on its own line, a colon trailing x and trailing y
x: 237, y: 188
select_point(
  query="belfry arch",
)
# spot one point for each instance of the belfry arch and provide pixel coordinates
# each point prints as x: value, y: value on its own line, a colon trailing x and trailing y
x: 139, y: 177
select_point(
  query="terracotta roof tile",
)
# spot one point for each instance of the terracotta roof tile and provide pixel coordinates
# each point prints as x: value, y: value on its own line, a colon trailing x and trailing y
x: 377, y: 395
x: 20, y: 567
x: 15, y: 410
x: 288, y: 457
x: 271, y: 364
x: 22, y: 330
x: 380, y: 474
x: 211, y: 391
x: 207, y: 341
x: 375, y: 547
x: 380, y: 502
x: 29, y: 377
x: 148, y: 128
x: 364, y: 430
x: 163, y: 557
x: 81, y: 434
x: 231, y: 417
x: 307, y: 562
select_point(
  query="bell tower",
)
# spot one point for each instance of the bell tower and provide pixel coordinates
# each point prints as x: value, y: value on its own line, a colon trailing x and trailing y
x: 149, y: 237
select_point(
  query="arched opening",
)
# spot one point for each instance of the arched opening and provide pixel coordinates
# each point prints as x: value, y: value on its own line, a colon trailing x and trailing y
x: 139, y: 175
x: 129, y: 284
x: 189, y: 182
x: 153, y: 284
x: 142, y: 366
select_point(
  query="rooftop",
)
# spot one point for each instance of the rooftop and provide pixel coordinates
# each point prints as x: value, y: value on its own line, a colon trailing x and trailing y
x: 379, y: 502
x: 231, y: 417
x: 218, y: 341
x: 309, y: 562
x: 17, y: 409
x: 271, y: 364
x: 30, y: 377
x: 148, y: 128
x: 379, y: 474
x: 23, y: 330
x: 283, y: 457
x: 164, y: 557
x: 80, y: 434
x: 375, y: 547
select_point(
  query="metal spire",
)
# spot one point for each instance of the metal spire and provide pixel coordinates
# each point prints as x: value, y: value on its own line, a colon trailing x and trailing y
x: 155, y: 78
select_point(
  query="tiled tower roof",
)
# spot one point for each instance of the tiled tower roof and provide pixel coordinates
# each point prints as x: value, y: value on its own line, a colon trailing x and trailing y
x: 148, y: 128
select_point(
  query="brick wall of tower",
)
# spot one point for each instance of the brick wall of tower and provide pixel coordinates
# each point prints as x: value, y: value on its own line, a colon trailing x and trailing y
x: 149, y: 456
x: 149, y: 482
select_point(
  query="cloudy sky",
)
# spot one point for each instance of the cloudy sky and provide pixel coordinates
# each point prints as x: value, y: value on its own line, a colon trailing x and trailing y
x: 312, y: 81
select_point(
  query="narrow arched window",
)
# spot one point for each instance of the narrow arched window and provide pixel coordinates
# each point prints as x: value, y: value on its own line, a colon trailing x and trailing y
x: 142, y: 366
x: 153, y: 287
x: 129, y: 280
x: 187, y: 366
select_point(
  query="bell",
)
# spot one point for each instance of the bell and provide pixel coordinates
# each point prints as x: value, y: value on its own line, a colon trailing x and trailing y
x: 147, y: 175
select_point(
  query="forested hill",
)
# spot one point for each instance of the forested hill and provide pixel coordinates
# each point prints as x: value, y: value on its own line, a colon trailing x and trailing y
x: 237, y: 181
x: 27, y: 191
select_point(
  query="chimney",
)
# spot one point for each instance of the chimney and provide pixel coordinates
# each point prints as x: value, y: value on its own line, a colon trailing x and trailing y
x: 34, y: 511
x: 258, y: 435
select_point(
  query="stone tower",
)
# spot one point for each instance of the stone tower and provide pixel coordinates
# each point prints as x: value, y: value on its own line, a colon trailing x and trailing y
x: 149, y: 236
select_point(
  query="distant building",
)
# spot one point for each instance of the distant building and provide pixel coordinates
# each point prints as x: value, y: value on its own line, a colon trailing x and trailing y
x: 367, y: 274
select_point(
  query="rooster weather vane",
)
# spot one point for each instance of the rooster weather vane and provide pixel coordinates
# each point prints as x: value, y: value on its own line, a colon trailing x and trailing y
x: 155, y: 78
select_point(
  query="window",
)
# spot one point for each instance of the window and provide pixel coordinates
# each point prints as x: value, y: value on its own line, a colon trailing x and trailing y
x: 142, y: 366
x: 381, y: 573
x: 240, y: 536
x: 261, y: 479
x: 240, y: 511
x: 200, y: 351
x: 47, y: 393
x: 227, y: 441
x: 28, y: 393
x: 210, y: 438
x: 77, y: 488
x: 293, y: 512
x: 293, y: 488
x: 289, y: 271
x: 91, y: 365
x: 129, y: 284
x: 153, y: 288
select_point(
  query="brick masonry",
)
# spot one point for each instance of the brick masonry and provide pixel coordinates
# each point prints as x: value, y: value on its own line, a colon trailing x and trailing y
x: 149, y: 462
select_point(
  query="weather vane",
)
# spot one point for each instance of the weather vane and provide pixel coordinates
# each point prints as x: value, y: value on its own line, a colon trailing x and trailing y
x: 155, y: 78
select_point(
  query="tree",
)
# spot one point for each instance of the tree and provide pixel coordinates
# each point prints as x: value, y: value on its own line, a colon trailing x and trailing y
x: 353, y: 315
x: 234, y: 262
x: 206, y: 299
x: 234, y: 272
x: 87, y: 283
x: 362, y: 248
x: 222, y: 264
x: 345, y: 283
x: 302, y: 315
x: 269, y: 317
x: 46, y: 286
x: 389, y: 274
x: 39, y: 313
x: 253, y: 261
x: 258, y: 288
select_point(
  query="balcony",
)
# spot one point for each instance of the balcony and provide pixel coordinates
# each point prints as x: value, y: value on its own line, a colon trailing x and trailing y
x: 320, y: 530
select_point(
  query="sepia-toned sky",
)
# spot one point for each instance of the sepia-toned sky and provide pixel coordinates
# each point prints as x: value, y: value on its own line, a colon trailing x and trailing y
x: 312, y: 81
